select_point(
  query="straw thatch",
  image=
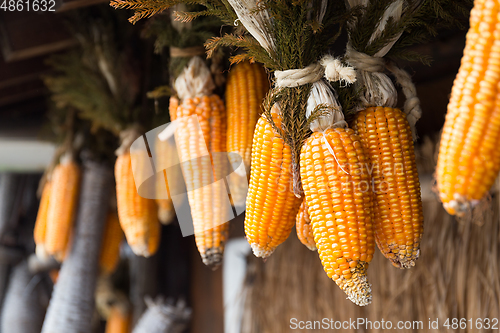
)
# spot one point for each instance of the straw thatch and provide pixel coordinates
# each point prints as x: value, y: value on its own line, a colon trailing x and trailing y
x: 457, y: 276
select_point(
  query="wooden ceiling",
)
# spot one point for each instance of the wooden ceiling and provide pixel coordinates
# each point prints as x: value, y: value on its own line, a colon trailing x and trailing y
x: 27, y: 38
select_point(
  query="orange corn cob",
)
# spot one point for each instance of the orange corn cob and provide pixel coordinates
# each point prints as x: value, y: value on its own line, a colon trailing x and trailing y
x: 118, y: 321
x: 164, y: 152
x: 136, y: 214
x: 62, y: 207
x: 398, y: 218
x: 41, y: 219
x: 304, y: 228
x: 247, y: 85
x: 208, y: 200
x: 469, y: 159
x: 271, y: 206
x: 339, y: 198
x: 111, y: 240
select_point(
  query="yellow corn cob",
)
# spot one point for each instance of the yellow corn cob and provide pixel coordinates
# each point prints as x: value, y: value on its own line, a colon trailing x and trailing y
x: 339, y: 198
x: 209, y: 201
x: 271, y: 206
x: 41, y: 220
x: 111, y: 240
x: 247, y: 85
x: 469, y: 159
x: 304, y: 228
x: 62, y: 207
x: 118, y: 321
x: 137, y: 215
x: 398, y: 218
x: 164, y: 152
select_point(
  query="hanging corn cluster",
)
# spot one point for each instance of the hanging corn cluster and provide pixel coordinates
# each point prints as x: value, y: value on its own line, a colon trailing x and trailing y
x: 386, y: 136
x: 200, y: 137
x: 469, y: 159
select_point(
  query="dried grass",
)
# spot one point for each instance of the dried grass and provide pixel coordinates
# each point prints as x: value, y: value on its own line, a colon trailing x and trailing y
x: 457, y: 276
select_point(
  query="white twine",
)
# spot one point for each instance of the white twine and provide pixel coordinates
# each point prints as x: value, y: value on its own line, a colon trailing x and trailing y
x: 329, y: 67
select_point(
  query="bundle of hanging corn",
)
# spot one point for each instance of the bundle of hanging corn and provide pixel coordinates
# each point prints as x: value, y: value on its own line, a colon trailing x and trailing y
x: 200, y: 130
x: 104, y: 89
x: 469, y: 159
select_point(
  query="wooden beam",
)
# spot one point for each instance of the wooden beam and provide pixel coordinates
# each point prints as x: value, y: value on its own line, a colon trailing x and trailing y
x: 29, y: 34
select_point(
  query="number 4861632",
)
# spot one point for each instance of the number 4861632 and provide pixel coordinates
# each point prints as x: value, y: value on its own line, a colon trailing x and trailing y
x: 28, y: 5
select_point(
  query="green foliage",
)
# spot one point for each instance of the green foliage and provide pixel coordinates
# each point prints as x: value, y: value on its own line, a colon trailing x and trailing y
x: 102, y: 78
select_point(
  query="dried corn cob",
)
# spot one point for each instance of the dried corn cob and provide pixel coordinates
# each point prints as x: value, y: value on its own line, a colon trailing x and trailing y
x: 41, y: 221
x: 339, y: 198
x: 271, y: 205
x: 304, y: 228
x: 166, y: 155
x: 208, y: 200
x: 137, y: 215
x: 112, y: 238
x: 62, y: 207
x: 469, y: 160
x: 247, y: 85
x: 398, y: 218
x: 118, y: 321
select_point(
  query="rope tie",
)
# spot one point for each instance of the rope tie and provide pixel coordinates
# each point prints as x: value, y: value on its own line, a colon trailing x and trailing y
x: 329, y: 67
x: 379, y: 88
x: 364, y: 62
